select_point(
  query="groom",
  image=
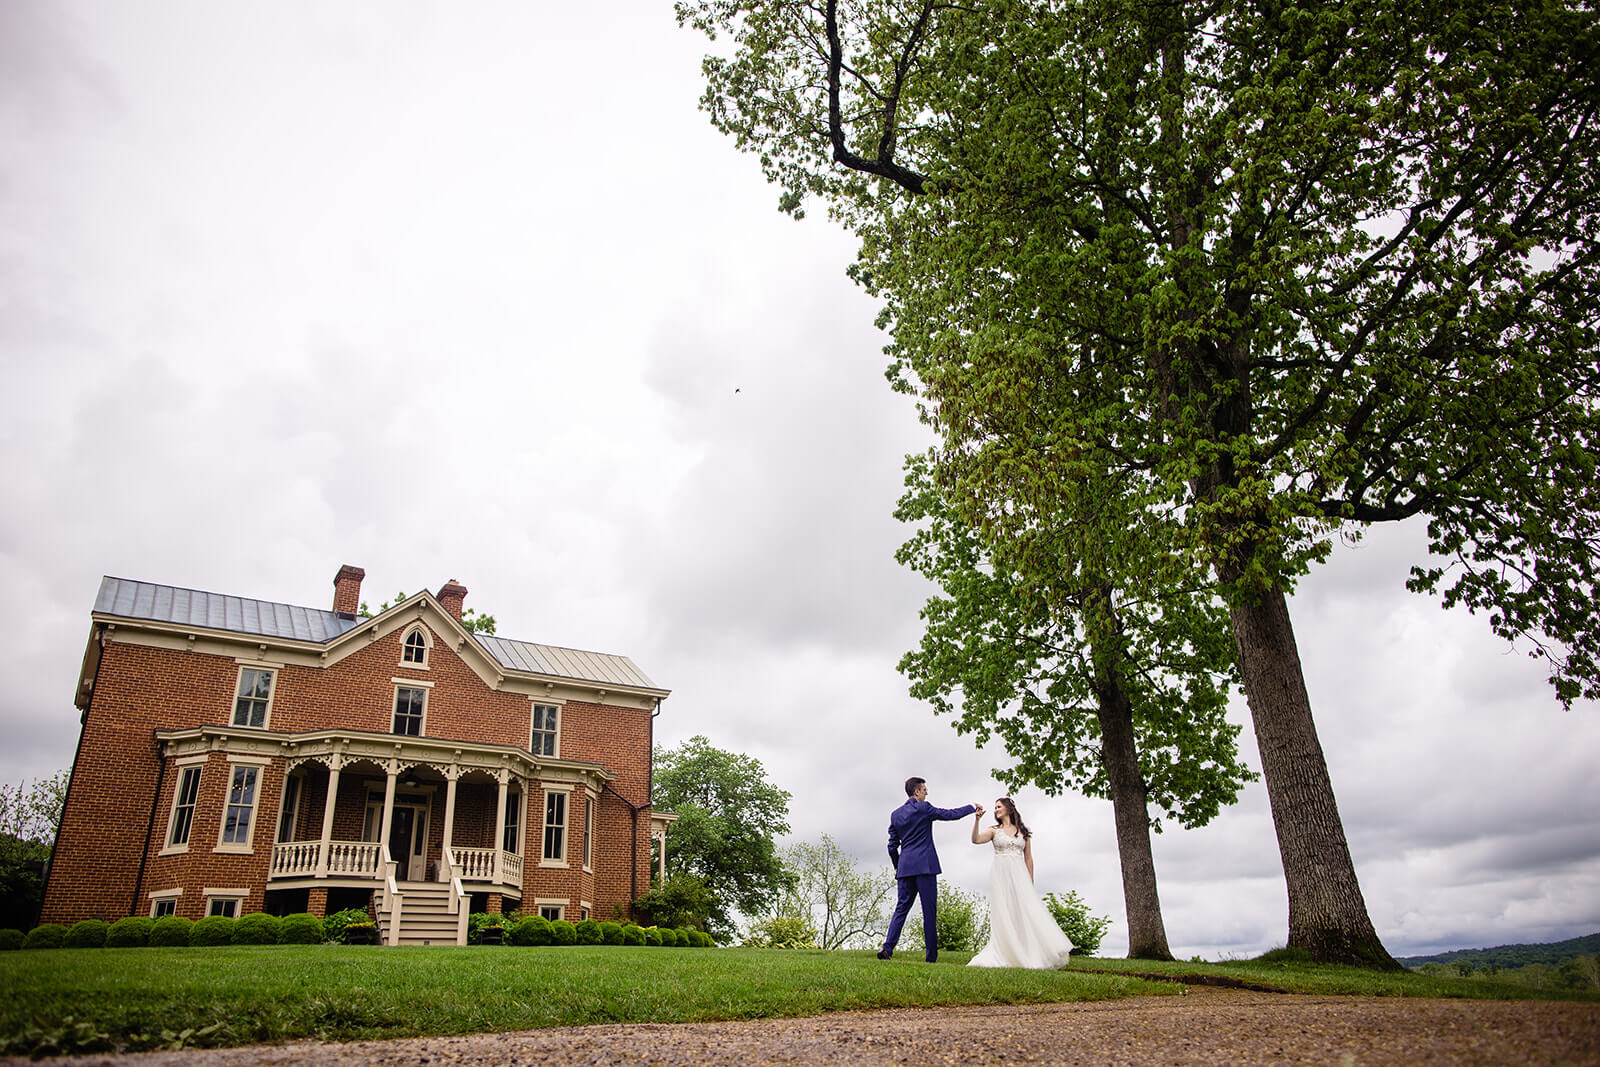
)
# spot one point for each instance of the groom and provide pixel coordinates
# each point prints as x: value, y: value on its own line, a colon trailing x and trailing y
x: 916, y: 863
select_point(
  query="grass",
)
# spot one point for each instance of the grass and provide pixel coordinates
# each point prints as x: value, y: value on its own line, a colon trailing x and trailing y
x: 58, y: 1001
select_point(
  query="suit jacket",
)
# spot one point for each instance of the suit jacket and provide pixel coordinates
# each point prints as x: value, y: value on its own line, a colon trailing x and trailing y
x: 911, y: 836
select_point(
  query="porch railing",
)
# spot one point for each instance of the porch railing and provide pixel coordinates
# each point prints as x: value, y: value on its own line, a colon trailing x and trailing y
x: 301, y: 859
x: 477, y: 865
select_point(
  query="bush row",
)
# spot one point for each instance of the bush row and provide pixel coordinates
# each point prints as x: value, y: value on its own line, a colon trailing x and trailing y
x: 306, y: 929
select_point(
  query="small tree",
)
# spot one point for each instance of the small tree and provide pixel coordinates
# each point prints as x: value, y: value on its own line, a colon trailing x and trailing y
x: 844, y: 904
x: 682, y: 901
x: 29, y: 816
x: 963, y: 921
x: 1085, y: 931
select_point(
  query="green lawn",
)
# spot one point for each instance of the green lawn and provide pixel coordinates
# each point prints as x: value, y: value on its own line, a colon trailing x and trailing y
x: 84, y: 1000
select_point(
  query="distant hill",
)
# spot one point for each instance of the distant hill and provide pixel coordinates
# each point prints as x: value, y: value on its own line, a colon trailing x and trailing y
x: 1551, y: 954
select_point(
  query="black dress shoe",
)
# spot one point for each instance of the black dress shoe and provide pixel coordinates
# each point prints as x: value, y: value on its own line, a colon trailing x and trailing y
x: 883, y: 953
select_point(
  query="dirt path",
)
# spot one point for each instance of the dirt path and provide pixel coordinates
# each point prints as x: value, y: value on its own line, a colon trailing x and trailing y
x: 1205, y: 1026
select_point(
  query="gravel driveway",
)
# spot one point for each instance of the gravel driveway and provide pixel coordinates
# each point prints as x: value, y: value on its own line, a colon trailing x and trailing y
x: 1204, y: 1026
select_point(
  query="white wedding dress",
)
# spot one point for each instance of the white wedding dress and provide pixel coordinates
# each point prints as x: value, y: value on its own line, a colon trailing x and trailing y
x: 1022, y: 932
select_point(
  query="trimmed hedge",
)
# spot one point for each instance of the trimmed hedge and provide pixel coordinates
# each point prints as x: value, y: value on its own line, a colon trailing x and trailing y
x: 86, y: 933
x: 130, y: 932
x: 258, y: 928
x: 171, y: 931
x: 652, y: 936
x: 610, y: 933
x: 213, y: 930
x: 632, y: 935
x: 532, y: 930
x: 563, y: 932
x: 588, y: 932
x: 48, y: 935
x: 702, y: 939
x: 301, y: 928
x: 10, y: 939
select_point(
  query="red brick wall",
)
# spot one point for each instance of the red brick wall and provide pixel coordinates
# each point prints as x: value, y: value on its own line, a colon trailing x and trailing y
x: 114, y: 806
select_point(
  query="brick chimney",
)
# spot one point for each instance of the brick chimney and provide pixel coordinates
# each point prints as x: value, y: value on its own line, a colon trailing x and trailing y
x: 347, y: 591
x: 451, y: 595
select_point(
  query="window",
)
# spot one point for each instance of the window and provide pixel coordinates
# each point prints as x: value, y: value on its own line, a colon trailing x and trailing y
x: 414, y: 652
x: 164, y: 902
x: 588, y: 832
x: 183, y: 797
x: 513, y: 807
x: 552, y: 909
x: 543, y: 739
x: 228, y: 905
x: 290, y: 808
x: 255, y: 696
x: 409, y: 705
x: 555, y: 827
x: 241, y: 809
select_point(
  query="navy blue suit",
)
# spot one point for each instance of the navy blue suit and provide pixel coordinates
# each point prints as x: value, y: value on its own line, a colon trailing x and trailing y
x: 916, y: 868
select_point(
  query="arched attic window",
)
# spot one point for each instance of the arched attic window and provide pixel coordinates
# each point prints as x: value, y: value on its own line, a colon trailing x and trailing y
x: 414, y: 650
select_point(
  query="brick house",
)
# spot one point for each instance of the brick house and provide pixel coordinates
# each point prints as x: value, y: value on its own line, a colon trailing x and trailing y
x: 465, y: 771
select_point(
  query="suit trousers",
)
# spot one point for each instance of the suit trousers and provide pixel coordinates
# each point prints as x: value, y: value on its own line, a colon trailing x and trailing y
x: 925, y: 886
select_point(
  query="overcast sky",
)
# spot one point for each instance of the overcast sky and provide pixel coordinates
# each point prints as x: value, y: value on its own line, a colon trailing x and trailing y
x: 474, y: 291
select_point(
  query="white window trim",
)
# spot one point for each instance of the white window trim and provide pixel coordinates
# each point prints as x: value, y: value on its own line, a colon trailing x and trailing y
x: 561, y: 904
x: 235, y: 895
x: 585, y: 910
x: 179, y: 766
x: 246, y: 847
x: 427, y: 647
x: 566, y: 826
x: 158, y: 895
x: 588, y: 830
x: 561, y: 717
x: 394, y: 705
x: 272, y: 693
x: 294, y: 813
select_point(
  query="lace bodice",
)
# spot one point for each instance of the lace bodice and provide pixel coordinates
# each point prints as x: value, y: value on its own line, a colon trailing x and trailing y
x: 1009, y: 844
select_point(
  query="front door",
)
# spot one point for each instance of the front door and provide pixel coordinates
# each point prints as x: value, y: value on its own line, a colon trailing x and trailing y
x: 408, y: 833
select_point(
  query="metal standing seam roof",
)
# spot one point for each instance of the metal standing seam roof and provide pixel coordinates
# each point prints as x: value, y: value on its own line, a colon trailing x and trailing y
x: 216, y: 611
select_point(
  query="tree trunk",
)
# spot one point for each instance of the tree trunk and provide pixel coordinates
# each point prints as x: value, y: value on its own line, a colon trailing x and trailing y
x: 1327, y: 913
x: 1147, y: 934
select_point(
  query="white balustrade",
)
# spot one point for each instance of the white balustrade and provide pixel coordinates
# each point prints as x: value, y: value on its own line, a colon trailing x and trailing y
x: 477, y: 865
x: 295, y: 859
x: 510, y: 868
x: 354, y: 857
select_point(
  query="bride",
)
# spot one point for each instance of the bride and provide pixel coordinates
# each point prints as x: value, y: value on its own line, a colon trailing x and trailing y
x: 1022, y: 932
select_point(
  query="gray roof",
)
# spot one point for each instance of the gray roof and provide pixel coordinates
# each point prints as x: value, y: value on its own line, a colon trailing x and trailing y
x: 564, y: 662
x: 214, y: 611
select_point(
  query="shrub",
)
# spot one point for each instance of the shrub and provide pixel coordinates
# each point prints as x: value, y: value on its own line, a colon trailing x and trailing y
x: 588, y: 932
x: 784, y: 931
x: 702, y: 939
x: 86, y: 933
x: 478, y: 920
x: 610, y: 933
x: 652, y: 936
x: 683, y: 901
x: 258, y: 928
x: 1085, y: 931
x: 333, y: 926
x: 301, y: 928
x: 563, y: 933
x: 171, y: 931
x: 10, y: 940
x: 213, y: 930
x: 48, y: 935
x: 671, y: 938
x: 632, y: 935
x: 131, y: 932
x: 534, y: 930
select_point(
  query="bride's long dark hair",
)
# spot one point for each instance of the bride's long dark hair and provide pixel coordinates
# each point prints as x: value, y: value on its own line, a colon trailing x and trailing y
x: 1016, y: 820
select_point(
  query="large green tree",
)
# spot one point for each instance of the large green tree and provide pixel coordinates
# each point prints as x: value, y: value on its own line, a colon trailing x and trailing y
x: 1115, y: 688
x: 1339, y: 260
x: 30, y: 814
x: 729, y: 819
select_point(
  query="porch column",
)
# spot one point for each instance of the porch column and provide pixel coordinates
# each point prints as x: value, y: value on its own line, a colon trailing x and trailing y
x: 388, y: 812
x: 327, y: 817
x: 500, y: 822
x: 450, y: 775
x: 661, y: 858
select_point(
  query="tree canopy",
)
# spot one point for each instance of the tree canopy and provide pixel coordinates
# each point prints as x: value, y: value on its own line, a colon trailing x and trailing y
x: 1325, y: 264
x: 729, y: 819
